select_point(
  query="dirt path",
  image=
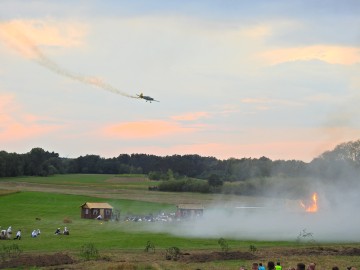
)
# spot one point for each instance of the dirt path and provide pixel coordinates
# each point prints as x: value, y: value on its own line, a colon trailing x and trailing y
x: 126, y: 260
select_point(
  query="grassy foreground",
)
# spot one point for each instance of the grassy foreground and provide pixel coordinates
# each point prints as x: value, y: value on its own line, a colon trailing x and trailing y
x: 46, y: 203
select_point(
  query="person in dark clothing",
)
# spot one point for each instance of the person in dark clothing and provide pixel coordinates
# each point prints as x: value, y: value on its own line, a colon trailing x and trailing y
x: 271, y: 265
x: 300, y: 266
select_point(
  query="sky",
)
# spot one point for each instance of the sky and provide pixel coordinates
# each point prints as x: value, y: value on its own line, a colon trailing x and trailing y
x: 234, y: 79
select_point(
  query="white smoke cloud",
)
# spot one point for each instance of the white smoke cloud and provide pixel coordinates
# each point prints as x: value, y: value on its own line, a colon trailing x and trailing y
x: 335, y: 220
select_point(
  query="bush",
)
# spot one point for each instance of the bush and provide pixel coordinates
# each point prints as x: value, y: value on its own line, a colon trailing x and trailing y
x: 215, y: 181
x: 224, y: 245
x: 172, y: 253
x: 185, y: 185
x: 154, y: 175
x: 11, y: 251
x: 305, y: 236
x: 89, y: 251
x: 149, y: 246
x: 252, y: 248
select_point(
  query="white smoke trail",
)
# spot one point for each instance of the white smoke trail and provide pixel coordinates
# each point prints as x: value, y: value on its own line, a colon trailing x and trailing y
x: 17, y: 40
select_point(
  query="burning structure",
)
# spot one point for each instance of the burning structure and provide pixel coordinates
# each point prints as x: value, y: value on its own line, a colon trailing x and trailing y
x: 311, y: 207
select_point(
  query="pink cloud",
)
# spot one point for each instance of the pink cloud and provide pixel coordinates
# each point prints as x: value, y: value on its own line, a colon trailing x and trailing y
x: 24, y: 36
x: 17, y: 125
x: 145, y: 129
x: 19, y: 131
x: 305, y: 144
x: 193, y: 116
x: 329, y: 54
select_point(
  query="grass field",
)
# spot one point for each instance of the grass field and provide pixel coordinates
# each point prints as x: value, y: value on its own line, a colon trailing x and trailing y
x: 46, y: 203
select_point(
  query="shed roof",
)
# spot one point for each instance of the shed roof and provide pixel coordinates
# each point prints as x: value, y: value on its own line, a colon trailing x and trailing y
x: 189, y: 206
x: 91, y: 205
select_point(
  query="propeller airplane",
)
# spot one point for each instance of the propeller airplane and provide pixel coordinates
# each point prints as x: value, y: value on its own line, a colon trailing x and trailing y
x: 147, y: 98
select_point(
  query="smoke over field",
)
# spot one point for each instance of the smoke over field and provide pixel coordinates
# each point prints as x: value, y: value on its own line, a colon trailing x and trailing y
x: 335, y: 219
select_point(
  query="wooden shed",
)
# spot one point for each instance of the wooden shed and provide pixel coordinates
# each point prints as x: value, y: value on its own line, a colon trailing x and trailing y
x: 93, y: 210
x: 186, y: 210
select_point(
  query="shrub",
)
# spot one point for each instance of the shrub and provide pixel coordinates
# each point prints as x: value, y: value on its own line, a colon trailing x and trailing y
x: 172, y: 253
x: 89, y: 251
x: 11, y: 251
x: 215, y: 181
x: 306, y: 236
x: 154, y: 175
x: 252, y: 248
x: 224, y: 245
x: 149, y: 246
x: 185, y: 185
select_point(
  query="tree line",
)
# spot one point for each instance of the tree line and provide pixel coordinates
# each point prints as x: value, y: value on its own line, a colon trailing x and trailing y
x: 341, y: 162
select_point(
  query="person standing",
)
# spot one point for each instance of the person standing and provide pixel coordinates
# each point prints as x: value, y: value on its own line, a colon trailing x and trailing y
x: 261, y: 267
x: 311, y: 266
x: 300, y: 266
x: 278, y: 266
x: 271, y: 265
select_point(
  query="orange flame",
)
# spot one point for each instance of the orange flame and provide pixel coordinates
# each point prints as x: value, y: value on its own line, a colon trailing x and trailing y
x: 313, y: 207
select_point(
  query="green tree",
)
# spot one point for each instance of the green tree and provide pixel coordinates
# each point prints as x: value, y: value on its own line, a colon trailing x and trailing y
x: 215, y: 181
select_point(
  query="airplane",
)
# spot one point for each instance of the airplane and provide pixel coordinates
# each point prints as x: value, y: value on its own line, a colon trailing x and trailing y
x: 147, y: 98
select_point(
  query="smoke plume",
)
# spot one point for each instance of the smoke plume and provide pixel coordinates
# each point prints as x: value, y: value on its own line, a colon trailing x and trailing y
x: 17, y: 40
x: 279, y: 220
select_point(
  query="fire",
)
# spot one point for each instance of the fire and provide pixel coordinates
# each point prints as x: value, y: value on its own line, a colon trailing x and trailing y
x: 312, y: 207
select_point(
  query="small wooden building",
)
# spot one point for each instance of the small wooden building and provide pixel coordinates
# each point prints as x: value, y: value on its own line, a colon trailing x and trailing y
x: 93, y: 210
x: 185, y: 211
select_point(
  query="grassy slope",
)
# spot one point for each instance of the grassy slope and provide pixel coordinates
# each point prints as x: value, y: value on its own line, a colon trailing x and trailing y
x: 20, y: 209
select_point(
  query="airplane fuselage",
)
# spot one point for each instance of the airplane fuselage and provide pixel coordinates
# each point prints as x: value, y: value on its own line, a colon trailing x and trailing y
x: 147, y: 98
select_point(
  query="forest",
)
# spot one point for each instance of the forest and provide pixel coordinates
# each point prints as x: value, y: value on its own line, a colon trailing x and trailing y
x: 339, y: 164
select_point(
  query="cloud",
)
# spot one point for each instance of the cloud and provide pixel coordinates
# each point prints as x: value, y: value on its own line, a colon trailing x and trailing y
x: 263, y: 104
x: 259, y: 31
x: 41, y: 33
x: 192, y: 116
x: 145, y: 129
x: 329, y: 54
x: 15, y: 124
x: 270, y: 101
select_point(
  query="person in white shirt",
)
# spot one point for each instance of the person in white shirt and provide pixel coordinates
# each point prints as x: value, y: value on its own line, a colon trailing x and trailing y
x: 18, y: 235
x: 66, y: 231
x: 34, y: 233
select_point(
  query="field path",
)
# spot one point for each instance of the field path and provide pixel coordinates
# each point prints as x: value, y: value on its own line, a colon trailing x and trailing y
x: 135, y: 194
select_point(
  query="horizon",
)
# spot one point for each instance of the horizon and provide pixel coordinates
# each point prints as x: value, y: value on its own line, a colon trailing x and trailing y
x: 138, y: 153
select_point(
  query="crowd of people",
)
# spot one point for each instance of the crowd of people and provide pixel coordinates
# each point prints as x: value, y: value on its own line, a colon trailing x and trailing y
x: 7, y: 234
x: 300, y: 266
